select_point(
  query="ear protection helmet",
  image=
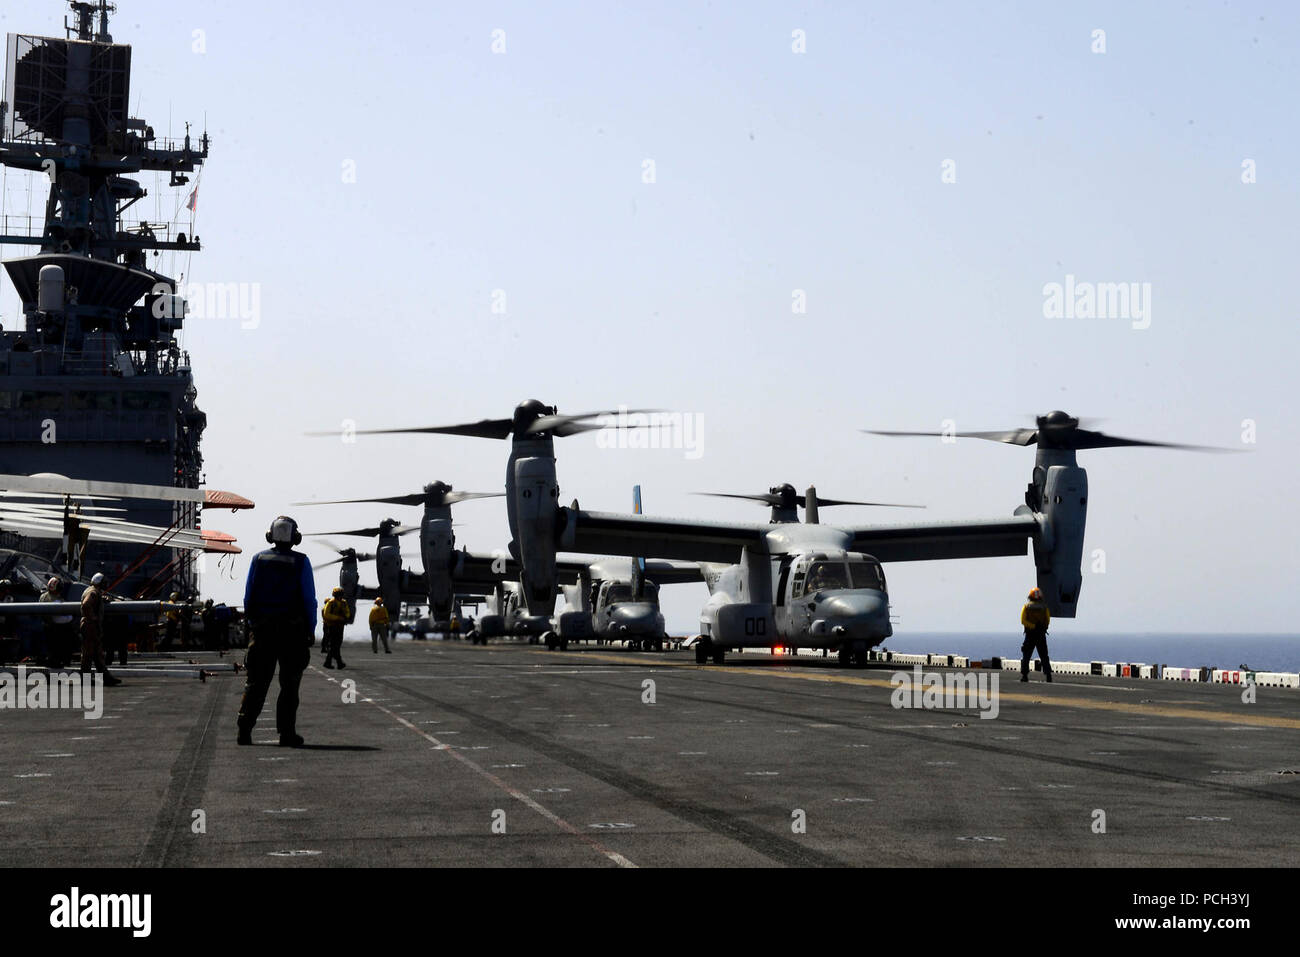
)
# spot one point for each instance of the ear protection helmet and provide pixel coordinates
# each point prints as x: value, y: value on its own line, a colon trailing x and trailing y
x: 284, y: 531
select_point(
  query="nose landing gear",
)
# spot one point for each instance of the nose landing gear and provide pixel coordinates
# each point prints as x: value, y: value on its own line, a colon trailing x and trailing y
x: 704, y: 650
x: 851, y: 657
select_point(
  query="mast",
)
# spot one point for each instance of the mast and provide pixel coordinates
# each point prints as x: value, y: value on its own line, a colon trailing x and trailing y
x: 97, y: 356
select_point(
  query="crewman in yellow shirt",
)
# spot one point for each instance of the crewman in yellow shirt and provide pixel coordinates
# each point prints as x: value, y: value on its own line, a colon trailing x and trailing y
x: 1035, y: 618
x: 334, y: 616
x: 379, y: 627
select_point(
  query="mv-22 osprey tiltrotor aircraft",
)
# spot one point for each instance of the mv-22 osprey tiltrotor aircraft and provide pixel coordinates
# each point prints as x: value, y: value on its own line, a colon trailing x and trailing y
x: 494, y: 580
x: 609, y: 599
x: 393, y: 580
x: 445, y: 569
x: 774, y: 596
x: 617, y: 599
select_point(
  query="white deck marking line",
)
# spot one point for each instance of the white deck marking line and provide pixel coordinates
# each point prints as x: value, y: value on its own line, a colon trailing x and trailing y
x: 515, y: 793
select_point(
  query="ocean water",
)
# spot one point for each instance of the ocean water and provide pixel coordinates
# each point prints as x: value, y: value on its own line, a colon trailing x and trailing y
x: 1259, y: 652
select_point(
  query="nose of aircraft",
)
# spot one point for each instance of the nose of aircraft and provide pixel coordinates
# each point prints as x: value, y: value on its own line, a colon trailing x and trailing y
x: 859, y: 615
x: 634, y: 617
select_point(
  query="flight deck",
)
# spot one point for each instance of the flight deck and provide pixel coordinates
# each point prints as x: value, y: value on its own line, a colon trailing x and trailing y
x: 449, y: 754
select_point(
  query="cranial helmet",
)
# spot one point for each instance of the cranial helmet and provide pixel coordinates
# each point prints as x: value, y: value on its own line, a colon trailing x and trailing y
x: 284, y: 531
x: 379, y: 601
x: 337, y: 591
x: 1035, y: 594
x: 97, y: 578
x: 53, y: 584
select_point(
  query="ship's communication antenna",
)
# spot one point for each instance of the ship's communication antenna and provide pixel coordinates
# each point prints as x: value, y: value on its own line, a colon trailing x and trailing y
x: 85, y: 28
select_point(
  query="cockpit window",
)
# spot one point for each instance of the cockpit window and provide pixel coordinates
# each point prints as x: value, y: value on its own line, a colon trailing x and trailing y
x: 825, y: 576
x: 617, y: 593
x: 867, y: 575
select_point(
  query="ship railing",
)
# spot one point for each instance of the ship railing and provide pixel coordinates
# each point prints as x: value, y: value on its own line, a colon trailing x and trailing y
x: 100, y: 362
x: 166, y: 231
x: 175, y: 144
x: 162, y: 363
x: 17, y: 227
x: 94, y: 362
x: 34, y: 227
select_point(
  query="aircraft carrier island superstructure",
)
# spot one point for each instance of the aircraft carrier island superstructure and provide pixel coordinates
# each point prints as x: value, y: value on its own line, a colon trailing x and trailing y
x: 93, y: 382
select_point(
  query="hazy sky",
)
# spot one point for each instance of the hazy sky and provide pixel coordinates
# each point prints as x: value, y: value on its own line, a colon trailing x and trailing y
x: 382, y: 179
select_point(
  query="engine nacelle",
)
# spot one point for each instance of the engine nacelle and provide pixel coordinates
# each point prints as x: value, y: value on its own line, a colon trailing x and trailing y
x: 388, y: 566
x: 436, y: 543
x: 492, y: 626
x: 1058, y: 555
x: 744, y: 625
x: 536, y: 495
x: 349, y: 581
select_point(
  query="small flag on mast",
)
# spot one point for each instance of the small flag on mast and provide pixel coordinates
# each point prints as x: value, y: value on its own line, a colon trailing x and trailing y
x: 193, y: 200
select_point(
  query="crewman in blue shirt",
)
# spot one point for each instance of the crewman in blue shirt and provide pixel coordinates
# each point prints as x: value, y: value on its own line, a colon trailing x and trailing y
x: 280, y: 607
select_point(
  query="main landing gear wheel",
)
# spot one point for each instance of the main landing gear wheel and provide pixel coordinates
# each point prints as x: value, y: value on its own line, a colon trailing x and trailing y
x: 719, y: 655
x: 846, y: 657
x: 552, y: 640
x: 634, y: 644
x: 532, y: 639
x: 701, y: 653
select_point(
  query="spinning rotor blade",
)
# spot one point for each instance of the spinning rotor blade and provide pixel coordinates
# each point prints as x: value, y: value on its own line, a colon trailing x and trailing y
x: 544, y: 419
x: 415, y: 498
x: 369, y: 532
x: 451, y: 498
x: 1059, y: 430
x: 836, y: 501
x: 392, y: 500
x: 1084, y: 439
x: 1013, y: 437
x: 766, y: 498
x: 777, y: 499
x: 361, y: 557
x: 483, y: 429
x: 566, y: 425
